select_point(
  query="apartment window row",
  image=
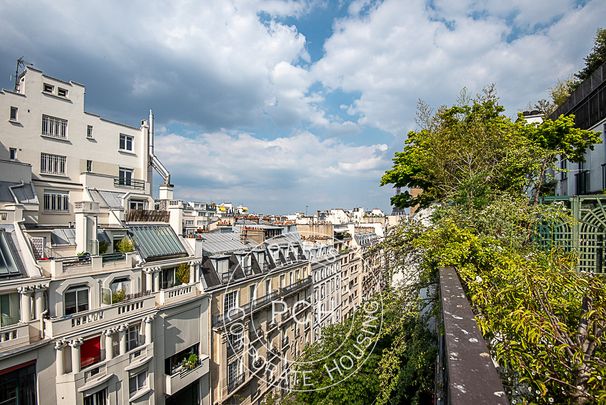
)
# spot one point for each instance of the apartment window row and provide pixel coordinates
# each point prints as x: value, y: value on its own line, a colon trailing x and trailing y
x: 53, y: 126
x: 49, y: 88
x: 52, y: 164
x: 56, y: 201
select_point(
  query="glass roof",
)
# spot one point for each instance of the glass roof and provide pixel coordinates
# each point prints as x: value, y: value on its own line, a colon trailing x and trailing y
x: 9, y: 261
x: 157, y: 242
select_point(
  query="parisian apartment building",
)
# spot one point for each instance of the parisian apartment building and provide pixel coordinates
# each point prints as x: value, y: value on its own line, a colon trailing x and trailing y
x: 111, y: 296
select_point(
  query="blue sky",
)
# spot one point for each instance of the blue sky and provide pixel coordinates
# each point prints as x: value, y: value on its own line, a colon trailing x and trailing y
x: 283, y: 104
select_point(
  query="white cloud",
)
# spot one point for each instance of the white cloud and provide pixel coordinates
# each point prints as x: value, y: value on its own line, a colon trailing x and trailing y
x: 402, y: 51
x: 301, y: 167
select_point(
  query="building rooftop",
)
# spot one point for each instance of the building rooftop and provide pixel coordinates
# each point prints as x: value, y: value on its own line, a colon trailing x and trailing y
x: 157, y: 242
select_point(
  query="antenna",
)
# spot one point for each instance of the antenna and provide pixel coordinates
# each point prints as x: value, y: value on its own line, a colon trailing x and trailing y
x: 20, y: 64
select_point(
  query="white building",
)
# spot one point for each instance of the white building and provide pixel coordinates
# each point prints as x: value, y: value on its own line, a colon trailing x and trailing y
x: 100, y: 300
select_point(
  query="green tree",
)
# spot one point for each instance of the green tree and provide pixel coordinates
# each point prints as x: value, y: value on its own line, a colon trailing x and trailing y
x: 545, y: 322
x: 395, y: 367
x: 596, y: 57
x: 470, y: 152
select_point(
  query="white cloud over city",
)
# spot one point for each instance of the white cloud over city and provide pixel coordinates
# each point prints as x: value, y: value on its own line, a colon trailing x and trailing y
x: 250, y: 111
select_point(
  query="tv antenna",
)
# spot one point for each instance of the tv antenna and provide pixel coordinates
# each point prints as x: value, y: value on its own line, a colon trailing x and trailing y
x: 20, y: 65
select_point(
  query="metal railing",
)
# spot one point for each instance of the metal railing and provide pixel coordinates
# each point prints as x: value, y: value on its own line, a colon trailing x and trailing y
x: 129, y: 183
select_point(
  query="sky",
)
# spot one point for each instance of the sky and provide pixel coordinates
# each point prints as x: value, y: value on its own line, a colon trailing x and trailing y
x: 285, y: 105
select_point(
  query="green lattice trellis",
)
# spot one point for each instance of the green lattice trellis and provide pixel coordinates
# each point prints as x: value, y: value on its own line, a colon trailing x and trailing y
x: 586, y: 235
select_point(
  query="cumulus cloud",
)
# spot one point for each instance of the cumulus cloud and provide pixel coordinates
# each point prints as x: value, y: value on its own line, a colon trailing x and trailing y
x: 210, y: 63
x: 293, y: 171
x: 252, y: 117
x: 394, y: 53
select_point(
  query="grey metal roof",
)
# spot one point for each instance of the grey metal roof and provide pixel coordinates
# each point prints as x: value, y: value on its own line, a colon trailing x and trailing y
x: 25, y: 193
x: 157, y: 242
x: 107, y: 199
x: 219, y: 242
x: 10, y: 262
x: 63, y: 236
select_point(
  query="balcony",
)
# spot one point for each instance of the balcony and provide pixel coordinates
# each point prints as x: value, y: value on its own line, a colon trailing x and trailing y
x: 61, y: 267
x: 14, y: 335
x: 147, y: 216
x: 259, y: 303
x: 182, y: 378
x: 55, y: 327
x: 299, y: 285
x: 129, y: 183
x: 178, y: 293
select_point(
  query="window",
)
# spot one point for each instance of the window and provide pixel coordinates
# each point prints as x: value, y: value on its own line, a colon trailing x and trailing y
x: 89, y: 165
x: 9, y: 309
x: 137, y: 382
x: 253, y: 292
x: 136, y: 205
x: 235, y: 342
x: 76, y: 300
x: 52, y: 164
x: 133, y: 337
x: 48, y: 88
x: 126, y: 142
x: 98, y: 398
x: 89, y: 131
x: 13, y: 116
x: 233, y: 373
x: 56, y: 201
x: 169, y: 278
x: 125, y: 177
x: 282, y: 280
x: 90, y: 352
x: 53, y: 126
x: 230, y: 301
x: 267, y: 287
x: 12, y: 153
x: 62, y: 92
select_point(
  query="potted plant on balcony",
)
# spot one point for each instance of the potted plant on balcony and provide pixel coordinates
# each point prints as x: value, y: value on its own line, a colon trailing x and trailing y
x: 125, y: 245
x: 183, y: 273
x: 190, y: 362
x: 118, y: 296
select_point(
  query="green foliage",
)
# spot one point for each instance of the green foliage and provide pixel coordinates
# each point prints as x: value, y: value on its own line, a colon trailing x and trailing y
x: 118, y: 296
x: 125, y: 245
x: 183, y: 273
x: 470, y: 152
x: 596, y: 57
x: 103, y: 246
x: 544, y: 322
x: 190, y: 362
x: 561, y: 91
x: 393, y: 365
